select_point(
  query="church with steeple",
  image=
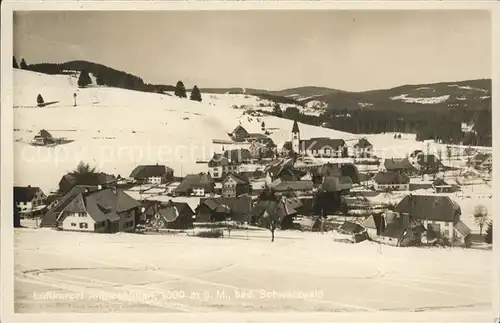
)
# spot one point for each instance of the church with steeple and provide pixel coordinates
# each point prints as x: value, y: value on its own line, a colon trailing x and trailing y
x: 321, y: 147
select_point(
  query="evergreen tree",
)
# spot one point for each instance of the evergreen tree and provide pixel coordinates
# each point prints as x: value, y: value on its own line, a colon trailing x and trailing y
x: 15, y: 62
x: 23, y: 64
x: 489, y: 233
x: 263, y: 125
x: 99, y: 79
x: 84, y: 79
x: 180, y: 90
x: 196, y: 94
x: 39, y: 100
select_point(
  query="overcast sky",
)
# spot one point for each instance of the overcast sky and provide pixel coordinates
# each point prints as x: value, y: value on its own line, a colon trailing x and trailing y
x: 348, y: 50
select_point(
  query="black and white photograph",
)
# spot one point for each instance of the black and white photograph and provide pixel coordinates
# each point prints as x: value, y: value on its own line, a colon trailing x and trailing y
x: 252, y: 161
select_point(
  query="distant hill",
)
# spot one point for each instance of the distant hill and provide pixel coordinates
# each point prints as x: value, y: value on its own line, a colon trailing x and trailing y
x: 473, y: 94
x: 106, y: 75
x: 470, y: 95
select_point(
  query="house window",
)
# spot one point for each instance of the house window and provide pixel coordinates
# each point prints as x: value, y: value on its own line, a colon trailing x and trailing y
x: 84, y: 226
x: 73, y: 224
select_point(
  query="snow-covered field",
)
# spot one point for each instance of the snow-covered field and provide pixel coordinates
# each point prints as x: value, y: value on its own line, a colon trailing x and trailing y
x: 116, y: 129
x: 75, y: 272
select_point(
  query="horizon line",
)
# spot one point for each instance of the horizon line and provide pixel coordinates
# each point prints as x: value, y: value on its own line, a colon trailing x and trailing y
x: 257, y: 88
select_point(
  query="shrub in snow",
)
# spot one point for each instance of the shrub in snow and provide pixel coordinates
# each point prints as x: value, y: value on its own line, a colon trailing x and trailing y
x: 489, y: 233
x: 195, y: 94
x: 23, y: 64
x: 180, y: 90
x: 211, y: 234
x: 84, y: 79
x: 39, y: 100
x: 14, y: 63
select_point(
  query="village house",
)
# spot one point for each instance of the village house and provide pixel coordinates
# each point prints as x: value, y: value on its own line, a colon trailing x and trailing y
x: 363, y: 149
x: 54, y: 210
x: 400, y: 165
x: 299, y: 187
x: 239, y: 134
x: 338, y: 170
x: 238, y: 156
x: 336, y: 184
x: 282, y: 169
x: 152, y: 174
x: 284, y: 209
x: 429, y: 164
x: 195, y: 185
x: 68, y: 181
x: 354, y: 231
x: 441, y: 186
x: 106, y: 210
x: 30, y: 200
x: 169, y: 215
x: 224, y: 209
x: 318, y: 147
x: 481, y: 161
x: 394, y: 229
x: 42, y: 138
x: 235, y: 185
x: 391, y: 181
x: 439, y: 214
x: 219, y: 166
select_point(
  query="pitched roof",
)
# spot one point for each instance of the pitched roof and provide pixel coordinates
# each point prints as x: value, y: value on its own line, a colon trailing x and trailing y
x: 363, y: 143
x: 146, y: 171
x: 49, y: 219
x: 333, y: 183
x: 105, y: 204
x: 91, y: 179
x: 239, y: 179
x: 240, y: 208
x: 430, y: 207
x: 281, y: 186
x: 428, y: 160
x: 240, y: 128
x: 44, y: 134
x: 321, y: 144
x: 218, y: 160
x: 391, y: 177
x: 462, y: 228
x: 195, y: 181
x: 295, y: 127
x: 400, y: 164
x: 25, y: 193
x: 172, y: 210
x: 393, y: 230
x: 350, y: 227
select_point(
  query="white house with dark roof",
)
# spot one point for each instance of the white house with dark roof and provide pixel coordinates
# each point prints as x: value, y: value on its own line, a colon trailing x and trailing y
x: 106, y: 210
x: 29, y: 199
x: 220, y: 166
x: 318, y: 147
x: 152, y: 174
x: 439, y: 214
x: 363, y: 149
x: 391, y: 181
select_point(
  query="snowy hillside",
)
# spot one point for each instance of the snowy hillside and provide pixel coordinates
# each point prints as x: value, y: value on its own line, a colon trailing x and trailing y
x: 115, y: 129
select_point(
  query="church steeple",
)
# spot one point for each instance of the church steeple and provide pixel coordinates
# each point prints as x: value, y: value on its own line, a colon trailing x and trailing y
x: 295, y: 128
x: 295, y: 137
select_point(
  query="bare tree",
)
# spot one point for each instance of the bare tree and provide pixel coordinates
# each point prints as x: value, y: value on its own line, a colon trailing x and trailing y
x: 272, y: 217
x: 480, y: 217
